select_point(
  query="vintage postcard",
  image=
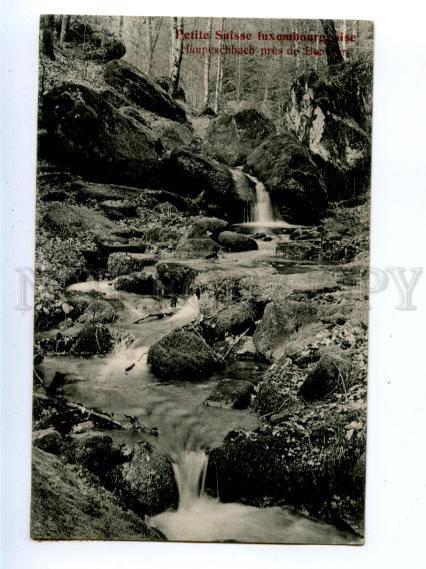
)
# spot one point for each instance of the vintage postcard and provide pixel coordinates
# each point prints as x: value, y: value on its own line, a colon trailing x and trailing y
x: 201, y: 297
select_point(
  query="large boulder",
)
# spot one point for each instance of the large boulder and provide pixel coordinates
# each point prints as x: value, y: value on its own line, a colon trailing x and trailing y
x: 279, y: 321
x: 88, y: 134
x: 70, y: 220
x: 126, y: 263
x: 330, y: 112
x: 207, y: 226
x: 232, y: 320
x: 145, y: 482
x: 182, y: 355
x: 333, y: 373
x: 92, y: 339
x: 138, y: 283
x: 175, y: 276
x: 142, y: 91
x: 193, y: 248
x: 99, y: 311
x: 67, y: 505
x: 294, y: 181
x: 233, y: 137
x: 199, y: 177
x: 232, y: 241
x: 230, y: 394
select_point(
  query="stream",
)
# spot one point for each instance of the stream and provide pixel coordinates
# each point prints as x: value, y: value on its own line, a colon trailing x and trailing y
x: 123, y: 382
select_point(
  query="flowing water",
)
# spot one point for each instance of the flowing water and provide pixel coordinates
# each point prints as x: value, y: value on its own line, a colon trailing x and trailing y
x: 122, y: 382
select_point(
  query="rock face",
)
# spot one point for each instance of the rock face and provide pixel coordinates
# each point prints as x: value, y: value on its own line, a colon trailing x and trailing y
x: 207, y: 226
x: 175, y: 276
x: 181, y: 355
x: 229, y: 321
x: 233, y: 137
x: 330, y: 113
x: 142, y: 91
x: 126, y: 263
x: 92, y: 339
x: 196, y: 176
x: 279, y: 321
x: 89, y: 135
x: 231, y: 394
x: 66, y: 505
x: 331, y: 374
x: 294, y: 181
x: 237, y: 242
x: 146, y: 482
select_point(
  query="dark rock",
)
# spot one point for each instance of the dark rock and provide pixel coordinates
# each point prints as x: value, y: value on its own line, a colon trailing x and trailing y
x: 196, y: 248
x: 182, y: 355
x: 173, y: 135
x: 298, y: 250
x: 230, y: 394
x: 146, y: 482
x: 142, y: 91
x: 48, y: 440
x: 289, y: 173
x: 230, y: 321
x: 84, y: 192
x: 203, y: 227
x: 92, y: 451
x: 92, y: 339
x: 118, y: 209
x: 94, y: 138
x: 126, y: 263
x: 232, y: 241
x: 66, y: 505
x: 138, y: 282
x: 120, y: 245
x: 279, y: 321
x: 331, y: 374
x: 175, y: 276
x: 233, y: 137
x: 166, y: 83
x: 196, y: 176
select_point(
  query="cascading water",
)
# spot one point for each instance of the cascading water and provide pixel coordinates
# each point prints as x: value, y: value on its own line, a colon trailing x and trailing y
x: 259, y: 213
x: 263, y: 212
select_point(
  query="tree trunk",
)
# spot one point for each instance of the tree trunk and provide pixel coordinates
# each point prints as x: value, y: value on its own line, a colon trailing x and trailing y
x: 332, y: 50
x: 207, y: 63
x: 120, y: 27
x: 65, y: 26
x: 148, y: 38
x: 219, y: 76
x: 48, y: 27
x: 177, y: 56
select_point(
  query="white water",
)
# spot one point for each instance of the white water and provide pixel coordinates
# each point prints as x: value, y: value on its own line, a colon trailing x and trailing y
x: 263, y: 212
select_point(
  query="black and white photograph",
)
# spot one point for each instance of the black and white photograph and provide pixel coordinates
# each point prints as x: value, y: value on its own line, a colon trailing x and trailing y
x: 201, y: 279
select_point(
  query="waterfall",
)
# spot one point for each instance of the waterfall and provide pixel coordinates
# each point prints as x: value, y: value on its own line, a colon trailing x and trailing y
x: 263, y: 212
x: 190, y: 469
